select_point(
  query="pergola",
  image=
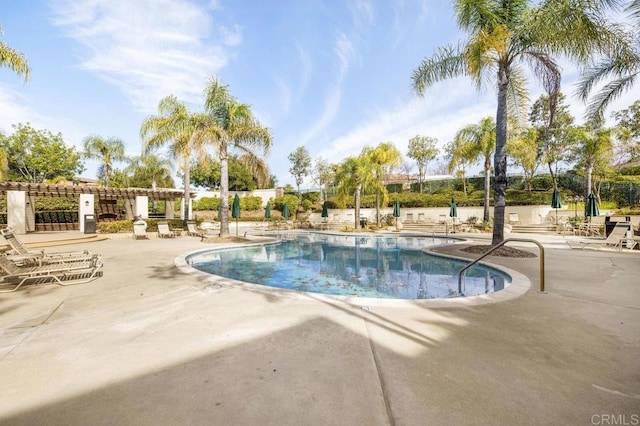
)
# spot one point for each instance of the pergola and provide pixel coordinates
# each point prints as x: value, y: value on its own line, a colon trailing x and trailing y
x: 21, y: 200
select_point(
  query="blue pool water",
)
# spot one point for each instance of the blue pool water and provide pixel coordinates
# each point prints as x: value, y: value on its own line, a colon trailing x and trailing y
x: 381, y: 267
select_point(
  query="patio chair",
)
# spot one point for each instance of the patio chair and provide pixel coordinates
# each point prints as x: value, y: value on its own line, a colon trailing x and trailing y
x: 409, y: 219
x: 20, y: 254
x: 193, y: 231
x: 615, y: 238
x: 164, y: 231
x: 61, y: 273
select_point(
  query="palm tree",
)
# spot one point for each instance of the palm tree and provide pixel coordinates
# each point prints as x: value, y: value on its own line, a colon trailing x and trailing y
x: 107, y: 151
x: 183, y: 132
x: 623, y: 65
x: 240, y: 131
x: 594, y: 149
x: 503, y: 35
x: 352, y: 177
x: 479, y: 141
x: 382, y: 158
x: 458, y: 152
x: 153, y: 168
x: 14, y: 60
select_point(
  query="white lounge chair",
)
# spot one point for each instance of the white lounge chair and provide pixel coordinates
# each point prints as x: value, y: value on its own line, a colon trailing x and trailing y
x: 21, y: 255
x: 164, y: 231
x: 61, y: 273
x: 615, y: 238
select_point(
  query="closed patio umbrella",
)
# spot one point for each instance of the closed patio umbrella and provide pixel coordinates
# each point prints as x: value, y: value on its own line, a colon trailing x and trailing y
x: 235, y: 211
x: 555, y: 202
x: 453, y: 211
x: 267, y: 212
x: 591, y: 208
x: 285, y: 211
x: 325, y: 211
x: 396, y: 210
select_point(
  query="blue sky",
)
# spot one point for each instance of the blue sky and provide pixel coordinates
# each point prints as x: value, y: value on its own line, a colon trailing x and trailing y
x: 332, y: 75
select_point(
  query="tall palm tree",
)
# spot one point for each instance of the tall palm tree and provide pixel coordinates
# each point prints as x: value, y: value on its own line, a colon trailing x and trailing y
x: 183, y: 132
x: 503, y: 36
x: 353, y: 176
x: 14, y: 60
x: 107, y: 151
x: 382, y: 158
x: 622, y: 65
x: 239, y: 131
x: 479, y: 141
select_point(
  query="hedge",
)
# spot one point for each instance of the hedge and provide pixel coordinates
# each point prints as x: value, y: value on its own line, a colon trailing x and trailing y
x: 213, y: 203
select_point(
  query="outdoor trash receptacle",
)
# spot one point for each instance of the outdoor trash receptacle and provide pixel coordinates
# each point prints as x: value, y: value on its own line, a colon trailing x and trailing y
x: 89, y: 224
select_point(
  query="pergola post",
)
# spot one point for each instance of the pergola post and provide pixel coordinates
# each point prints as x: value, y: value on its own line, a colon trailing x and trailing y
x: 86, y: 206
x: 142, y: 206
x: 16, y: 211
x: 169, y: 211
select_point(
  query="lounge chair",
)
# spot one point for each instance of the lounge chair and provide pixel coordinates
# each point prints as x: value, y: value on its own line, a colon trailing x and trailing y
x: 21, y: 255
x: 62, y: 273
x: 615, y: 238
x: 164, y: 231
x: 193, y: 231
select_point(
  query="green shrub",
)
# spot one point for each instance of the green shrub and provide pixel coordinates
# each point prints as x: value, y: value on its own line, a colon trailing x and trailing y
x: 291, y: 200
x: 249, y: 203
x: 56, y: 203
x: 314, y: 197
x: 206, y: 203
x: 306, y: 205
x: 127, y: 225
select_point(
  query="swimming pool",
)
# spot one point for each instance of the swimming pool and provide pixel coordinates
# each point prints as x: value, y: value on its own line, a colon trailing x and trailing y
x: 347, y: 265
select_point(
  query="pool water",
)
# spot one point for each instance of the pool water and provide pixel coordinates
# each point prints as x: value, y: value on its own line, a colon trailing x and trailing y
x: 380, y: 267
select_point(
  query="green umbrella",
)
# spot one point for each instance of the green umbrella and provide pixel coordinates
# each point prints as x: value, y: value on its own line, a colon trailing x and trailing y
x: 325, y: 212
x: 591, y: 208
x: 267, y: 212
x: 453, y: 211
x: 555, y: 202
x: 235, y: 211
x: 285, y: 211
x: 396, y: 209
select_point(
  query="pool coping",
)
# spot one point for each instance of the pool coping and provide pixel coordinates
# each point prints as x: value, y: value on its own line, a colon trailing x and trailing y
x: 520, y: 283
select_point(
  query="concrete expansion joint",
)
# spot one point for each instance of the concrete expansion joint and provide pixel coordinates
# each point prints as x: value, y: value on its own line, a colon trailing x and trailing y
x: 374, y: 355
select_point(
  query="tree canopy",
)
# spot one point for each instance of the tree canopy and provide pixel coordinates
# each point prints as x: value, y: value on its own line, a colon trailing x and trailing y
x: 38, y: 155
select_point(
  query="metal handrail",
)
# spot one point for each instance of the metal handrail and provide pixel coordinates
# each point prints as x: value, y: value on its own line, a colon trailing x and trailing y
x: 521, y: 240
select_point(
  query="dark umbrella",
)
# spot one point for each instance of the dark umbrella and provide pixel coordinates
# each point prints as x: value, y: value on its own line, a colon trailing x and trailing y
x: 285, y: 211
x: 555, y: 202
x: 267, y: 212
x: 453, y: 211
x: 235, y: 211
x: 325, y: 212
x: 396, y: 210
x: 591, y: 208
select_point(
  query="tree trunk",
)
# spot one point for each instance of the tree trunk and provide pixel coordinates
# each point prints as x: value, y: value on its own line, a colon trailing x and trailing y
x: 487, y: 187
x: 500, y: 158
x: 589, y: 172
x: 378, y: 209
x: 420, y: 177
x: 224, y: 190
x: 187, y: 191
x: 357, y: 209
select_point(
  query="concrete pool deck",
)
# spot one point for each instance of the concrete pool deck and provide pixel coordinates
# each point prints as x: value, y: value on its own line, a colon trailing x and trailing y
x: 147, y: 344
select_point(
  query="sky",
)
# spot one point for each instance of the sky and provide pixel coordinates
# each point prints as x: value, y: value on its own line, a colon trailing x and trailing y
x: 330, y: 75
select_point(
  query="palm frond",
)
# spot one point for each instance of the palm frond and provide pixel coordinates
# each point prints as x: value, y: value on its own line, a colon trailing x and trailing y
x: 608, y: 94
x: 447, y: 62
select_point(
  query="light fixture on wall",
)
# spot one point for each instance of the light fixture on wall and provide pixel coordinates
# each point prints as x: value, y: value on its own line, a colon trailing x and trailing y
x: 86, y: 203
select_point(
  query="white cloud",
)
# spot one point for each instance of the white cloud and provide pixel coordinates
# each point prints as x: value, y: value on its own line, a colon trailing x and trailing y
x: 343, y: 49
x: 149, y: 48
x: 437, y: 115
x: 15, y: 108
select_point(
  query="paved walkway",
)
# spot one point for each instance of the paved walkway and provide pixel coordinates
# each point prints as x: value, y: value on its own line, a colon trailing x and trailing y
x: 148, y: 344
